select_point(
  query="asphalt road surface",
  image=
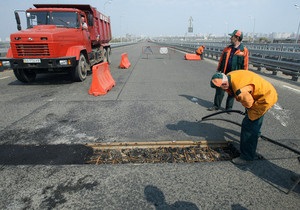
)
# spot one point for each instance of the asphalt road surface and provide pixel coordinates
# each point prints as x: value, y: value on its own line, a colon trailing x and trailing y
x: 44, y: 127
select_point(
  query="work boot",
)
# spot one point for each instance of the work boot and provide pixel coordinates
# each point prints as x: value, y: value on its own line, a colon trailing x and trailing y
x: 240, y: 161
x: 213, y: 108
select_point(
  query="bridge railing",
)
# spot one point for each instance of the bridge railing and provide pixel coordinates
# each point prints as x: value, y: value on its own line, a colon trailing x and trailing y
x: 283, y: 58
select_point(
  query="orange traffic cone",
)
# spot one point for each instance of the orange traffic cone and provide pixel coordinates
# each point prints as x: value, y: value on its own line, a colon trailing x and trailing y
x: 124, y: 64
x: 102, y: 81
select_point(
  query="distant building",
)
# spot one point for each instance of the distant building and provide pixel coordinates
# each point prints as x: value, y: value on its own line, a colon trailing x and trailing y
x: 280, y: 35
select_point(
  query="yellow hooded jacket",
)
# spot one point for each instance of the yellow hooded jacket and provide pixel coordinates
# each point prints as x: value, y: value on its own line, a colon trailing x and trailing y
x: 252, y: 91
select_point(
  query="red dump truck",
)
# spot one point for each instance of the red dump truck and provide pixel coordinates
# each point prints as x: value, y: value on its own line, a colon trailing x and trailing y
x: 56, y: 40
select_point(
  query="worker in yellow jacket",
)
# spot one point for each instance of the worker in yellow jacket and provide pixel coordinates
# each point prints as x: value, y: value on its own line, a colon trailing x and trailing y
x: 200, y: 51
x: 257, y: 95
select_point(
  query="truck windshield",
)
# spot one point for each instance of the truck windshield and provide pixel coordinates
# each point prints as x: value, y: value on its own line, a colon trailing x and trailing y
x: 60, y: 19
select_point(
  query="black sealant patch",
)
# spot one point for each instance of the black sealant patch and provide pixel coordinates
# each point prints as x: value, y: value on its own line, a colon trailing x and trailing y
x: 61, y: 154
x: 67, y: 154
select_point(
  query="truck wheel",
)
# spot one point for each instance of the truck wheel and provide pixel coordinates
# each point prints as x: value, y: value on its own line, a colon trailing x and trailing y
x: 25, y: 75
x: 108, y: 52
x: 80, y: 71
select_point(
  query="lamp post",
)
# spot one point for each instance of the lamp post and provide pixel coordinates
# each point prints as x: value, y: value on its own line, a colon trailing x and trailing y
x: 297, y: 35
x: 253, y: 28
x: 107, y: 2
x: 121, y: 17
x: 226, y: 39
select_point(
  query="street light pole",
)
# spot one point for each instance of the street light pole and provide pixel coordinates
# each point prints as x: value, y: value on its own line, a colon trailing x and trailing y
x: 121, y: 17
x: 297, y: 35
x: 108, y: 2
x: 253, y: 28
x: 226, y: 24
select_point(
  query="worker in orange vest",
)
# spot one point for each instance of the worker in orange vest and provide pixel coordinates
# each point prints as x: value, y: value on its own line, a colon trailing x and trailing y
x: 200, y: 51
x: 234, y: 57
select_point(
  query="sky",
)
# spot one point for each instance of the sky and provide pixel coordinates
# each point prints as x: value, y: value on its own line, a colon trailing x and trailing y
x: 172, y: 17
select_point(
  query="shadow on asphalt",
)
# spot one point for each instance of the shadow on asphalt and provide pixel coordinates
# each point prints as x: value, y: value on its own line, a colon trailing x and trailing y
x: 208, y: 131
x: 276, y: 176
x: 199, y: 101
x: 47, y: 79
x: 60, y: 154
x: 156, y: 197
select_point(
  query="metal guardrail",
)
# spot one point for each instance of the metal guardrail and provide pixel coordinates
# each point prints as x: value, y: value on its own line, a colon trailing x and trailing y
x: 3, y: 48
x: 3, y: 52
x: 121, y: 44
x: 283, y: 58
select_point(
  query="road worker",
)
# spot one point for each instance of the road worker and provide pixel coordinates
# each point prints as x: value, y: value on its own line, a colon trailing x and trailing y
x: 235, y: 56
x: 200, y: 51
x: 257, y: 95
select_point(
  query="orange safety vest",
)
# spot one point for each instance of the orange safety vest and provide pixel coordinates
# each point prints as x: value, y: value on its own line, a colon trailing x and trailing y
x: 240, y: 59
x: 200, y: 50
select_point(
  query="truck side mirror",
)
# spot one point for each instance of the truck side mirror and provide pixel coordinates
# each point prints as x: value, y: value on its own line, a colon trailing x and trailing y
x: 19, y: 27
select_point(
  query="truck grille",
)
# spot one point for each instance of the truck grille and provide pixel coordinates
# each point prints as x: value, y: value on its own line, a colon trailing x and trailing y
x: 32, y: 50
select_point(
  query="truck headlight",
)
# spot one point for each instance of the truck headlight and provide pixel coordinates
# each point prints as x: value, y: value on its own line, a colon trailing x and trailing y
x: 63, y: 62
x: 5, y: 63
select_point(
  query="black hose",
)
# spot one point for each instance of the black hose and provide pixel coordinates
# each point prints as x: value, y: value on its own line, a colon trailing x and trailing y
x: 261, y: 136
x: 279, y: 144
x: 221, y: 112
x: 226, y: 120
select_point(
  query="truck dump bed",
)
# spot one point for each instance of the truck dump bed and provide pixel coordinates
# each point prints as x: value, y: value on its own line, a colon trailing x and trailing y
x: 98, y: 23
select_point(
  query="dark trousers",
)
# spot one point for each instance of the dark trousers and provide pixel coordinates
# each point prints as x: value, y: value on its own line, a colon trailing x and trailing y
x: 219, y: 97
x: 250, y: 133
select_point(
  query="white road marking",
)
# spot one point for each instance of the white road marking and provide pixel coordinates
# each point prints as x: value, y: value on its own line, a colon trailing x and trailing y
x: 288, y: 87
x: 280, y: 114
